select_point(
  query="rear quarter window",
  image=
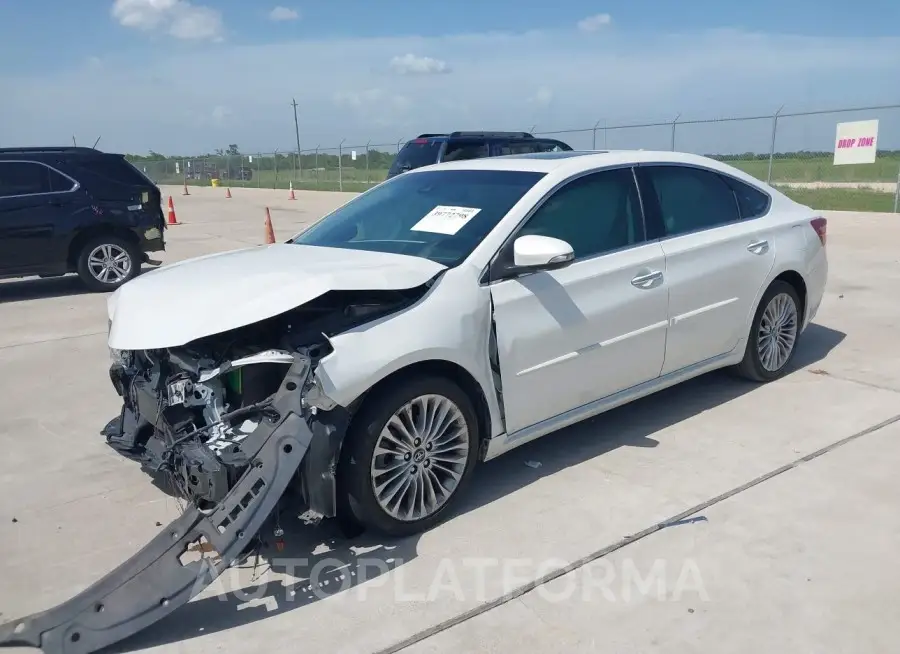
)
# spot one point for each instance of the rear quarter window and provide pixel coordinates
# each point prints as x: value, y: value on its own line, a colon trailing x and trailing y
x: 752, y: 202
x: 113, y: 169
x: 416, y: 154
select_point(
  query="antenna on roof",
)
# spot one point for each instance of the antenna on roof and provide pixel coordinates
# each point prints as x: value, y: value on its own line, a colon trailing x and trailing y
x: 96, y: 142
x: 73, y: 141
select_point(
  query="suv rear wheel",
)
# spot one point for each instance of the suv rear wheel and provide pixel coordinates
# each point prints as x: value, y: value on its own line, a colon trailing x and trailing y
x: 107, y: 262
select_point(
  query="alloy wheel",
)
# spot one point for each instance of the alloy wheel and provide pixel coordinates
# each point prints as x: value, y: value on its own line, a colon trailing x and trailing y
x: 420, y: 457
x: 777, y: 332
x: 109, y: 263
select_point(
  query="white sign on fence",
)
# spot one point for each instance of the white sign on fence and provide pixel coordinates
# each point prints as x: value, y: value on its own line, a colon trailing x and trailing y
x: 177, y: 171
x: 250, y: 158
x: 353, y: 155
x: 856, y: 142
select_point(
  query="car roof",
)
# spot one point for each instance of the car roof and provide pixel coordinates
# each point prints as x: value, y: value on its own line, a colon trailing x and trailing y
x: 572, y: 162
x: 51, y: 150
x: 482, y: 135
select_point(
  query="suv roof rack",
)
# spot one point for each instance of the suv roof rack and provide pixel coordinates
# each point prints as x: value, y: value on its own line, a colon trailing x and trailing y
x: 428, y: 136
x: 504, y: 135
x: 33, y: 150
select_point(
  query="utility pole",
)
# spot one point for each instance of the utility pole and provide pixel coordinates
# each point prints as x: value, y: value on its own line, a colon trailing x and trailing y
x: 297, y: 133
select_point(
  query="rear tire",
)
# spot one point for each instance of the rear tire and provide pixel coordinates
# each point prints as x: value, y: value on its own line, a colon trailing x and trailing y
x: 402, y: 481
x: 106, y: 262
x: 773, y: 336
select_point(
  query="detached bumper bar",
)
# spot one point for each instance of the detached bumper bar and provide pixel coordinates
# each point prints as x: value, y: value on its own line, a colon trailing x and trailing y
x: 154, y: 582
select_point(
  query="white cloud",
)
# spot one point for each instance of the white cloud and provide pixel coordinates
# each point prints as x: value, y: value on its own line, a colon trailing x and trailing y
x: 221, y: 115
x: 178, y: 18
x: 283, y: 13
x: 410, y: 64
x: 594, y: 23
x: 543, y: 96
x: 700, y: 74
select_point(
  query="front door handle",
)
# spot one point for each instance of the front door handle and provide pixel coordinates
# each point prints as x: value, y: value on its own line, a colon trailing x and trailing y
x: 758, y: 247
x: 648, y: 281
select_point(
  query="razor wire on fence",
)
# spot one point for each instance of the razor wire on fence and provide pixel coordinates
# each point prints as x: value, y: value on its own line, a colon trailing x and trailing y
x: 793, y: 150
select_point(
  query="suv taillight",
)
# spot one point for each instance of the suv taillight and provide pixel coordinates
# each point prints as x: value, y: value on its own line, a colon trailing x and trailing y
x: 821, y: 226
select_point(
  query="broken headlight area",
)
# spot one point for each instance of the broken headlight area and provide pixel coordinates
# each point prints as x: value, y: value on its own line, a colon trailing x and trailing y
x: 187, y: 410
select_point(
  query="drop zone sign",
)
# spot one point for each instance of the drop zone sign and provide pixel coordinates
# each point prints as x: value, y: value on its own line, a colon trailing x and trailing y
x: 855, y: 143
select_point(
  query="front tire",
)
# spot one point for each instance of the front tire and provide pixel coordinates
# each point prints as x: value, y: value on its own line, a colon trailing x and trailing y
x: 409, y: 454
x: 107, y: 262
x: 773, y: 334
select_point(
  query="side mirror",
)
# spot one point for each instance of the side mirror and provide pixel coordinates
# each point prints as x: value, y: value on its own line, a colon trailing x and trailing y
x: 533, y: 252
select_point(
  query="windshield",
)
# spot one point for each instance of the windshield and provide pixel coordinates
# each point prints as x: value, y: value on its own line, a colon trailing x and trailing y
x: 415, y: 154
x: 439, y: 215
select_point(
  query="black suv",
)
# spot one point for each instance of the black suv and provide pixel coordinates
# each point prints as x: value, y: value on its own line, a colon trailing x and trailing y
x: 427, y: 149
x: 71, y: 209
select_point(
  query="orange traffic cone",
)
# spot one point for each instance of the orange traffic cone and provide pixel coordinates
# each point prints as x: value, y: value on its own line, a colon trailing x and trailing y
x: 292, y: 196
x: 185, y: 192
x: 228, y: 192
x: 172, y: 219
x: 270, y: 233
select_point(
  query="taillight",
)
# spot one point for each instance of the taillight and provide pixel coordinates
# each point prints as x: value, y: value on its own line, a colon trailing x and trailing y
x: 821, y: 226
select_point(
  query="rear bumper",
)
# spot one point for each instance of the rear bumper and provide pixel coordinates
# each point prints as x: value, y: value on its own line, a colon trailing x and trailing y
x: 816, y: 280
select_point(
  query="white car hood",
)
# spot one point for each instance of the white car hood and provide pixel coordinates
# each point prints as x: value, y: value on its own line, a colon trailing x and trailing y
x: 181, y: 302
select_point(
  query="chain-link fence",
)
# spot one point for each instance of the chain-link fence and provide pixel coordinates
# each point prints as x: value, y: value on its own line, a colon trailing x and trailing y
x: 793, y: 150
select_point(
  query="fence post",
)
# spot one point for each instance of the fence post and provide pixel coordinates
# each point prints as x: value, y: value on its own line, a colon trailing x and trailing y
x: 594, y: 139
x: 897, y: 192
x: 772, y: 146
x: 275, y: 165
x: 398, y: 145
x: 341, y: 165
x: 674, y: 123
x: 317, y: 165
x: 368, y: 143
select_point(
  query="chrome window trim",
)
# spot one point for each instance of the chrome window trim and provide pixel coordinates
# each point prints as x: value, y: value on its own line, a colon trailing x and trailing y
x: 75, y: 184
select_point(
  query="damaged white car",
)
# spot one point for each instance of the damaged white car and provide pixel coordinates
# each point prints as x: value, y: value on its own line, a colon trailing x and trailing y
x: 438, y: 320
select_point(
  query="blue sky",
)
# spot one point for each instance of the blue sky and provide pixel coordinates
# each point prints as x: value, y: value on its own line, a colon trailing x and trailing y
x: 182, y: 76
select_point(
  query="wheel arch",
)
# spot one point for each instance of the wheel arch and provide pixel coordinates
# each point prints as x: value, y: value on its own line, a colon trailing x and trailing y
x: 440, y: 368
x: 94, y: 231
x: 795, y: 279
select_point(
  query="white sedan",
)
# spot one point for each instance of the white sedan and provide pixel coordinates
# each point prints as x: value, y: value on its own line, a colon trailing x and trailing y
x: 440, y: 319
x: 464, y: 309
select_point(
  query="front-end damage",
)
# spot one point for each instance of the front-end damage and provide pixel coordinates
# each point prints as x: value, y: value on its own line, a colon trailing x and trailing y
x: 233, y: 420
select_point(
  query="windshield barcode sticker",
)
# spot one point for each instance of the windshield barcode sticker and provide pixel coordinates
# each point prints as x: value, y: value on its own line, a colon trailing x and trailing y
x: 445, y: 220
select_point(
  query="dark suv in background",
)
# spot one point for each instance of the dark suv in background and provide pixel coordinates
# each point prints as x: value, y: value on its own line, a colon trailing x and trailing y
x: 427, y: 149
x: 76, y: 210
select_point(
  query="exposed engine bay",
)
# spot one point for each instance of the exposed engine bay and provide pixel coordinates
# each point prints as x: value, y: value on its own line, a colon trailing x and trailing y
x: 234, y: 420
x: 187, y: 410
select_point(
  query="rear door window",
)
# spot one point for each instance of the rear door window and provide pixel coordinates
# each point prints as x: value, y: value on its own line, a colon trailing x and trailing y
x: 415, y: 154
x: 529, y: 147
x: 690, y: 199
x: 31, y: 178
x: 463, y: 150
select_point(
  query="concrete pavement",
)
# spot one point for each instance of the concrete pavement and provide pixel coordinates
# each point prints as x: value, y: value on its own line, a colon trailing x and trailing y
x: 80, y: 509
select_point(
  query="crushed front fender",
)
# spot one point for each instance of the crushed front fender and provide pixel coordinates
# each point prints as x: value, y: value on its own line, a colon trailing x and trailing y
x: 155, y: 581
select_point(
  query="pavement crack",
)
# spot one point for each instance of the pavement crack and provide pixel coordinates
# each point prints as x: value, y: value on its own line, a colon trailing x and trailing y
x: 50, y: 340
x: 517, y: 593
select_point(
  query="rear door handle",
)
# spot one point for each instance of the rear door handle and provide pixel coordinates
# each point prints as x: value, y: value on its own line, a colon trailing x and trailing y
x: 758, y: 247
x: 648, y: 281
